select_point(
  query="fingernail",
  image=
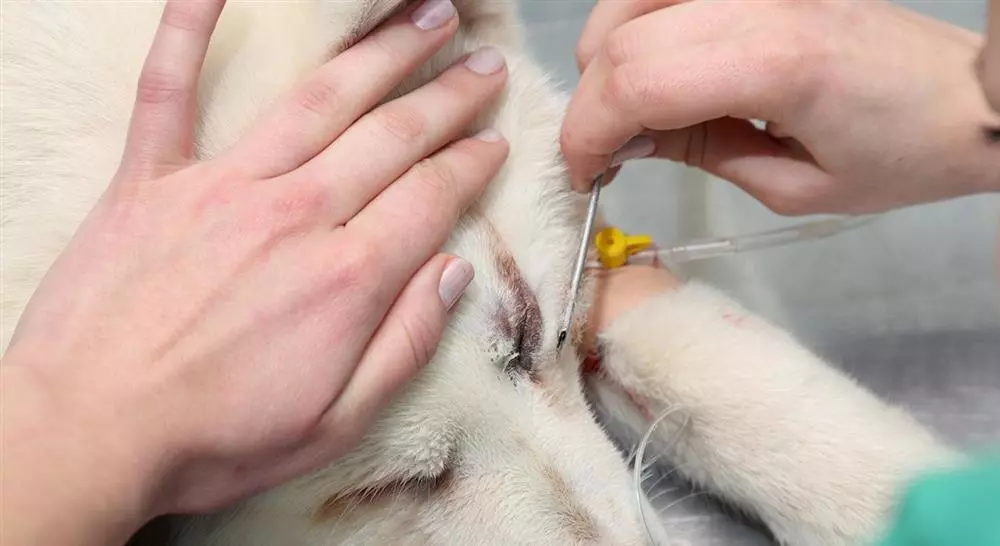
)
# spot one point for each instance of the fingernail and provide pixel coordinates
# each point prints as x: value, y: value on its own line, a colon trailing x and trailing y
x: 455, y: 279
x: 488, y: 135
x: 485, y: 60
x: 637, y: 148
x: 432, y: 14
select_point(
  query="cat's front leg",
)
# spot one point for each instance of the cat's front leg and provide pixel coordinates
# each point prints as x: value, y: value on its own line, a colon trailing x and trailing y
x: 769, y: 425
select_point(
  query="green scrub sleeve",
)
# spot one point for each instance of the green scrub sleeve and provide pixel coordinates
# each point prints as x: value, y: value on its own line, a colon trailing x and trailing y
x: 957, y: 507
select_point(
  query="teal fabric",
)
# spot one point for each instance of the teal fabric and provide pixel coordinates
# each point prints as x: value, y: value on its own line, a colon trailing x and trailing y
x: 959, y: 507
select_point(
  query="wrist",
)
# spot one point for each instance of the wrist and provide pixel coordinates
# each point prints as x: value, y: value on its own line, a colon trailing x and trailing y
x: 985, y: 164
x: 975, y: 158
x: 70, y: 475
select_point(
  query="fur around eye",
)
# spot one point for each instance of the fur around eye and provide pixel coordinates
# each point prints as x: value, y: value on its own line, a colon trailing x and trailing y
x: 520, y: 360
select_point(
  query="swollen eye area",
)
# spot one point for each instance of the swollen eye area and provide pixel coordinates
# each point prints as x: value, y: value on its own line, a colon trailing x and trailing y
x: 520, y: 361
x: 520, y: 332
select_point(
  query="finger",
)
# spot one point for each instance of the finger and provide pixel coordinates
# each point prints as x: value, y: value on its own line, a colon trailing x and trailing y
x: 404, y: 343
x: 409, y: 221
x: 784, y: 178
x: 667, y: 92
x: 651, y: 30
x: 161, y: 131
x: 607, y: 16
x: 987, y: 63
x: 315, y: 113
x: 382, y: 145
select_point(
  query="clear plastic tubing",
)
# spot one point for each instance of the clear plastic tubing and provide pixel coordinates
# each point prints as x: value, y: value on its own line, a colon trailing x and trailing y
x: 723, y: 246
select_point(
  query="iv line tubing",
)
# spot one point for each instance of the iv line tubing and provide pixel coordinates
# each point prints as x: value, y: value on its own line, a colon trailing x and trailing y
x: 722, y: 246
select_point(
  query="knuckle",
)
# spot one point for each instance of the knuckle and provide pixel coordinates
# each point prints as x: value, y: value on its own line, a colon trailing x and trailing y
x: 353, y: 267
x: 470, y: 150
x: 801, y: 63
x: 488, y: 161
x: 436, y: 221
x: 460, y: 84
x: 621, y: 45
x: 433, y: 223
x: 579, y: 149
x: 567, y: 137
x: 623, y: 88
x: 404, y: 124
x: 319, y: 96
x: 434, y: 179
x: 384, y: 51
x: 571, y: 141
x: 788, y: 62
x: 430, y: 222
x: 186, y: 16
x: 158, y: 87
x: 300, y: 203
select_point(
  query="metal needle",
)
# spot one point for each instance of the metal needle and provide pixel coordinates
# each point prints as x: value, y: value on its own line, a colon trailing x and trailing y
x: 581, y: 260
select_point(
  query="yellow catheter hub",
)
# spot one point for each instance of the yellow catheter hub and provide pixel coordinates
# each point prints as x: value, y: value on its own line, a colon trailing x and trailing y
x: 614, y: 246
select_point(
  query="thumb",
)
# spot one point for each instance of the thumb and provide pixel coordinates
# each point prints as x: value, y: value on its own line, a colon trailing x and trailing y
x: 783, y: 177
x: 403, y: 344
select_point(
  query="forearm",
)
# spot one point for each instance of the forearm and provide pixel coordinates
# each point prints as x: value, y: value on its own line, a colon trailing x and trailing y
x: 66, y: 479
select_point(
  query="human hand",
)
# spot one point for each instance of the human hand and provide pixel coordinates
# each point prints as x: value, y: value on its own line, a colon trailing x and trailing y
x: 218, y: 327
x: 988, y: 62
x: 620, y: 290
x: 856, y: 123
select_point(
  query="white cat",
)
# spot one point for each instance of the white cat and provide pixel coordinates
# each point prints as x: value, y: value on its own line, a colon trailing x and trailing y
x: 481, y: 448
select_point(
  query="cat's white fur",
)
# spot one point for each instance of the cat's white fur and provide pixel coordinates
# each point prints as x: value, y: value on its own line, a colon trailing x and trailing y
x: 469, y: 454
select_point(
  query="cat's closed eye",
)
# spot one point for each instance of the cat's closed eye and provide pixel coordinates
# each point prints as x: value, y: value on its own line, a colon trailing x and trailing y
x: 522, y: 360
x: 514, y: 364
